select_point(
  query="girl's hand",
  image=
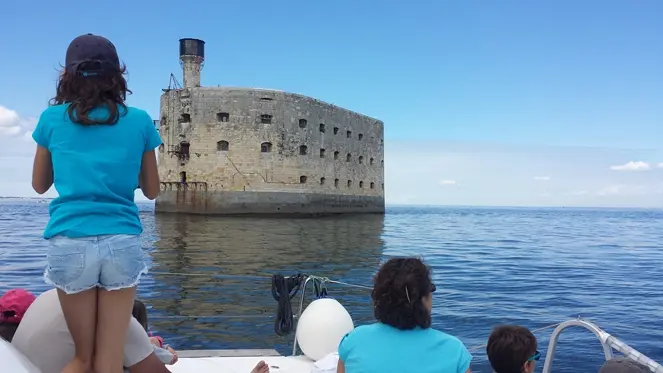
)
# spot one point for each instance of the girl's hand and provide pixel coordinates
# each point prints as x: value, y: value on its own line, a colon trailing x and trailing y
x: 156, y: 341
x: 170, y: 349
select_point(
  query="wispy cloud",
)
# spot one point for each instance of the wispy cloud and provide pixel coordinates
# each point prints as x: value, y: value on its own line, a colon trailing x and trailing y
x: 447, y: 182
x: 632, y: 166
x: 631, y: 190
x: 541, y: 178
x: 660, y: 165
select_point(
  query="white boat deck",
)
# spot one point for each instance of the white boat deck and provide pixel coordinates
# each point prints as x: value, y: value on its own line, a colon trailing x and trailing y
x: 238, y: 361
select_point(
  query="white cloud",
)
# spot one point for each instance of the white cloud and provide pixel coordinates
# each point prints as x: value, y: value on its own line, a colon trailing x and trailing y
x: 12, y: 125
x: 660, y: 165
x: 541, y: 178
x: 632, y: 166
x: 446, y: 182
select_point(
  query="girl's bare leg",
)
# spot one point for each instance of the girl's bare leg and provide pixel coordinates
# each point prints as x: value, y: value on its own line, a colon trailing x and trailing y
x: 113, y: 316
x: 80, y: 313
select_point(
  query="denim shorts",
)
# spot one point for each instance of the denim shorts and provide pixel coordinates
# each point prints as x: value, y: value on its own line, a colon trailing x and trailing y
x: 111, y: 262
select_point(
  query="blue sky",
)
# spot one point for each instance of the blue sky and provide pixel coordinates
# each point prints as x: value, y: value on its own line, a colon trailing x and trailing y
x: 491, y: 103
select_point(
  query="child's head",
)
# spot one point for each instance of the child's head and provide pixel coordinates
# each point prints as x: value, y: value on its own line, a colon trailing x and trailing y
x: 512, y: 349
x: 92, y: 77
x: 13, y: 306
x: 140, y: 313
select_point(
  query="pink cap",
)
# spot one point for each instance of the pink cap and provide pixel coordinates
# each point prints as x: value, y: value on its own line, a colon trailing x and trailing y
x: 14, y: 304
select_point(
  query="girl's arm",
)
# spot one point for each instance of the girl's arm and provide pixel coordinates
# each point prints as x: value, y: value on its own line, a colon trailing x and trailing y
x: 42, y: 170
x: 340, y: 368
x: 149, y: 175
x: 166, y: 354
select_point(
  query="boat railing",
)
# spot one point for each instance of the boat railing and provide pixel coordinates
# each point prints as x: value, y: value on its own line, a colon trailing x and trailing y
x: 608, y: 342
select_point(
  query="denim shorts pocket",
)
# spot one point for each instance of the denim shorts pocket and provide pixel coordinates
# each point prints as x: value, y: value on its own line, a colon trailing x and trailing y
x: 65, y: 261
x: 128, y: 257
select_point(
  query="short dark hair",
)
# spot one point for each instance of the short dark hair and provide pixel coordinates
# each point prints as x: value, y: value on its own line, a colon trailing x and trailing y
x: 400, y: 285
x: 509, y: 347
x: 139, y: 312
x: 7, y: 330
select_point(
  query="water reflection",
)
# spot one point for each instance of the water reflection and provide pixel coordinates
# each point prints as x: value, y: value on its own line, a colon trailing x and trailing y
x: 192, y: 254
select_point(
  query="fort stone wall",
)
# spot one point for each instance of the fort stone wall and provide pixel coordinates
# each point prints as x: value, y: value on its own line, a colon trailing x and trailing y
x: 255, y: 151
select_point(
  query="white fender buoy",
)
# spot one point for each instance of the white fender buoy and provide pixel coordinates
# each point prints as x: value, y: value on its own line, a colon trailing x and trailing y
x: 14, y: 361
x: 321, y: 327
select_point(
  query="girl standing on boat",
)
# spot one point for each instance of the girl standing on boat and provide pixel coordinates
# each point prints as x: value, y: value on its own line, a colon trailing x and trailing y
x: 96, y: 150
x: 402, y: 340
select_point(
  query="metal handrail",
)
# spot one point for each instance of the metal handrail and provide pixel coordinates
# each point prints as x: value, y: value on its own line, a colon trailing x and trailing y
x: 299, y: 314
x: 608, y: 342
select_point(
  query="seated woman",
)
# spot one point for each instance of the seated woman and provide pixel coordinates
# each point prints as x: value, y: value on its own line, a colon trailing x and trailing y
x: 163, y: 351
x: 402, y: 340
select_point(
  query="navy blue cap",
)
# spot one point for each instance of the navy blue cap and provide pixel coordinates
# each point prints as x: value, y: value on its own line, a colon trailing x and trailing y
x: 91, y: 55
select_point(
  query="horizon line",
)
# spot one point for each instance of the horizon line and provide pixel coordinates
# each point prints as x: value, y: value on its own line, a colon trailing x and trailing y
x: 389, y: 205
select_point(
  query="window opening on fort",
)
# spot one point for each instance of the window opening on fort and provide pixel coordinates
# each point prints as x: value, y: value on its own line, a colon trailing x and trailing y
x: 348, y: 134
x: 266, y: 147
x: 361, y: 159
x: 361, y: 136
x: 322, y: 181
x: 302, y: 179
x: 266, y: 99
x: 336, y: 155
x: 161, y: 148
x: 348, y: 158
x: 322, y: 153
x: 184, y: 149
x: 335, y: 130
x: 222, y: 146
x: 185, y: 118
x: 382, y: 163
x: 163, y: 120
x: 361, y: 184
x: 182, y: 177
x: 372, y: 185
x: 302, y: 123
x: 222, y: 117
x: 336, y: 183
x: 265, y: 119
x: 371, y: 161
x: 382, y: 186
x: 303, y: 150
x: 349, y: 183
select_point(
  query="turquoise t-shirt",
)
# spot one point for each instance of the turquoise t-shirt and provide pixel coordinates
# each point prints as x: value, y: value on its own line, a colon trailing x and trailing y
x: 382, y: 348
x: 95, y: 171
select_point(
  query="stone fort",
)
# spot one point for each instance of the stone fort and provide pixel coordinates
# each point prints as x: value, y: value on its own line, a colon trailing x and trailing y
x: 257, y: 151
